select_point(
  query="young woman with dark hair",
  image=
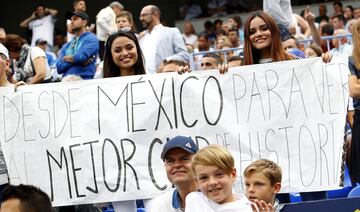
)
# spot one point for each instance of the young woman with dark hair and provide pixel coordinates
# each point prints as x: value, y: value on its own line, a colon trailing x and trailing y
x: 262, y: 40
x: 123, y: 56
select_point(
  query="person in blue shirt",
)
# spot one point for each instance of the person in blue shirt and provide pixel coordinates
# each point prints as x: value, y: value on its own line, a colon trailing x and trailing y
x: 78, y: 56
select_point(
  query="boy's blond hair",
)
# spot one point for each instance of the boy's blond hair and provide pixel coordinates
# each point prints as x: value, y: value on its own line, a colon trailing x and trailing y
x: 270, y: 169
x: 214, y: 155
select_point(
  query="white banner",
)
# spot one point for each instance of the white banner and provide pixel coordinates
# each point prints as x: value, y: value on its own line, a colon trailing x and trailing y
x: 100, y: 140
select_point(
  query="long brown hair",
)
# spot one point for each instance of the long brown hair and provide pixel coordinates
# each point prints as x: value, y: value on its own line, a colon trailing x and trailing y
x: 356, y: 44
x: 252, y: 55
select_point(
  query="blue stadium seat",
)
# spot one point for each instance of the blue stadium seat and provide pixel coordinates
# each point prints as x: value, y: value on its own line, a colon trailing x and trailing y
x: 141, y: 210
x: 340, y: 193
x: 355, y: 192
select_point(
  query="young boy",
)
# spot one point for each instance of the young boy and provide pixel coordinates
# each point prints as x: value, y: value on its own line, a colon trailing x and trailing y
x: 215, y: 174
x: 262, y: 183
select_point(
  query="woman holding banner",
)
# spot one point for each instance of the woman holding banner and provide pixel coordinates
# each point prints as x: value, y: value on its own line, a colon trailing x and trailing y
x: 123, y: 57
x: 263, y: 45
x: 262, y: 40
x: 354, y: 88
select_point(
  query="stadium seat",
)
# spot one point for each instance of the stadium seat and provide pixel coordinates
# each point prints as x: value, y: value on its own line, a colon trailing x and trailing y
x: 141, y: 210
x: 355, y: 192
x: 340, y: 193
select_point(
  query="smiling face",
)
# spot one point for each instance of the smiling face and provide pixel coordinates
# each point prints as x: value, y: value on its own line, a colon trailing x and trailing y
x: 215, y: 183
x: 124, y: 53
x: 258, y: 186
x: 178, y: 166
x: 260, y: 35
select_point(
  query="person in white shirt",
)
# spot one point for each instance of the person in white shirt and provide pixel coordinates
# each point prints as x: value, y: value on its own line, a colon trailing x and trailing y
x: 215, y: 173
x: 158, y: 42
x: 106, y: 24
x: 41, y: 22
x: 177, y: 155
x: 281, y: 11
x: 189, y: 35
x: 341, y: 46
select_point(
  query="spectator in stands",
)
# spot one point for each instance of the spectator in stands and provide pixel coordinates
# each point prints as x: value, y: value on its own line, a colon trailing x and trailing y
x: 125, y: 21
x: 2, y: 34
x: 78, y: 5
x: 234, y: 61
x: 313, y: 50
x: 78, y: 56
x: 189, y: 10
x: 350, y: 25
x: 106, y: 23
x: 338, y: 8
x: 354, y: 89
x: 338, y: 22
x: 159, y: 42
x: 123, y: 57
x: 290, y: 43
x: 233, y: 36
x: 203, y: 46
x: 217, y: 8
x: 322, y: 14
x: 222, y: 41
x: 357, y: 13
x: 262, y: 183
x: 341, y: 46
x: 41, y: 22
x: 209, y: 30
x: 175, y: 66
x: 349, y: 12
x: 177, y: 155
x: 326, y: 30
x: 4, y: 67
x: 31, y: 65
x: 210, y: 61
x: 59, y: 41
x: 189, y: 34
x: 50, y: 56
x: 218, y: 27
x: 262, y: 40
x: 215, y: 173
x: 281, y: 12
x: 235, y: 22
x: 25, y: 198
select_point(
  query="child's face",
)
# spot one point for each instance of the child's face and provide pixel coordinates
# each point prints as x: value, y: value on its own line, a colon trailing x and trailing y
x: 215, y: 183
x: 258, y: 186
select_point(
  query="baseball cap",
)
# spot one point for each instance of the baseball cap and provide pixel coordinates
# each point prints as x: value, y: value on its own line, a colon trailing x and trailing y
x: 80, y: 14
x: 40, y: 41
x: 4, y: 51
x: 185, y: 143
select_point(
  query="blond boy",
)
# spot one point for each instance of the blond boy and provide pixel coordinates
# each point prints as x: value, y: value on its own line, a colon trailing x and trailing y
x: 215, y: 173
x: 262, y: 183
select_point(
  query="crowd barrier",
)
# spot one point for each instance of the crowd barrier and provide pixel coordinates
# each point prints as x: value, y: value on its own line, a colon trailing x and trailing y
x: 306, y: 42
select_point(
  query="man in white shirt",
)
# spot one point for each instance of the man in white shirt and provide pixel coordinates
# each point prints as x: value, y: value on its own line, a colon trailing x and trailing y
x: 106, y: 24
x: 158, y: 42
x: 177, y: 155
x: 41, y: 22
x: 341, y: 46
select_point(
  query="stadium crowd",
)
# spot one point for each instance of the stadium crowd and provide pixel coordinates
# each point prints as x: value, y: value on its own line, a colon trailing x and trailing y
x: 112, y: 47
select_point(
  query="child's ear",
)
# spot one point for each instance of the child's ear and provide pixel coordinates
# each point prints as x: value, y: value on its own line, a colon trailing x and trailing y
x: 233, y: 174
x: 277, y: 187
